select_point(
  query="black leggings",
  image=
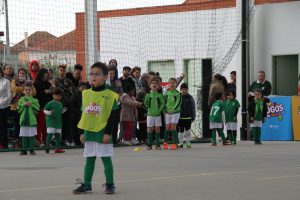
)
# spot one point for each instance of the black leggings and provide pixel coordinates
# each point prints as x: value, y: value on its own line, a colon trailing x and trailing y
x: 184, y: 124
x: 3, y: 126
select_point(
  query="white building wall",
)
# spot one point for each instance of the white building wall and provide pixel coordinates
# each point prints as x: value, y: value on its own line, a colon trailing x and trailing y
x: 135, y: 40
x: 54, y: 57
x: 276, y: 31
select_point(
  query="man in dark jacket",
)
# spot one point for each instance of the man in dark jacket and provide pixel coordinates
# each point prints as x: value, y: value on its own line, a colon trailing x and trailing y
x: 187, y: 116
x: 66, y: 85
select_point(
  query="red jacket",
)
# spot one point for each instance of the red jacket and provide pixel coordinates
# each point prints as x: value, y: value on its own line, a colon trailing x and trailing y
x: 33, y: 73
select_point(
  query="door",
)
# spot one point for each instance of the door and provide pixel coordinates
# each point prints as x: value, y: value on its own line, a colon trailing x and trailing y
x: 285, y: 75
x: 166, y: 69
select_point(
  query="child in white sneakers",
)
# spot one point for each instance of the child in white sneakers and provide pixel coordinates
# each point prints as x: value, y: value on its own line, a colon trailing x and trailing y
x: 187, y: 116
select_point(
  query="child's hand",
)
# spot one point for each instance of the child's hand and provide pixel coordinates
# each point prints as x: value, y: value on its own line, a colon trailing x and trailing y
x: 81, y: 139
x: 251, y: 119
x: 118, y: 83
x: 106, y: 139
x: 27, y: 104
x: 52, y: 112
x: 64, y: 109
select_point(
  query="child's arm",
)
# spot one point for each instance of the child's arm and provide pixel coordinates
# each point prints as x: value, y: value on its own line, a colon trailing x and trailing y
x: 127, y: 101
x: 177, y: 102
x: 250, y: 110
x: 35, y: 105
x: 6, y: 98
x: 146, y: 102
x: 193, y: 106
x: 162, y: 103
x: 47, y: 110
x: 110, y: 123
x: 21, y: 105
x: 64, y: 110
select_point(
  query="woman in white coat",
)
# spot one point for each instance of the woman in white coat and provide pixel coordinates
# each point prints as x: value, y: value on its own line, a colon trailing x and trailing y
x: 5, y: 97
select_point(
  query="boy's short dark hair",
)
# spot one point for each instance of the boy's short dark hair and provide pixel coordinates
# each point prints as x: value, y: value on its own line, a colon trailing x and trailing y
x: 62, y: 66
x: 28, y: 84
x: 127, y: 67
x: 233, y: 72
x: 152, y: 73
x: 57, y: 92
x: 136, y: 69
x: 231, y: 92
x: 78, y: 67
x: 128, y: 87
x: 218, y: 95
x: 101, y: 66
x: 184, y: 86
x: 258, y: 90
x: 173, y: 79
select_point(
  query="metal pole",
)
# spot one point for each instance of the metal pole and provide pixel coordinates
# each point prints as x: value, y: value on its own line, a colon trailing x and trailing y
x: 91, y: 34
x: 7, y: 29
x: 245, y: 66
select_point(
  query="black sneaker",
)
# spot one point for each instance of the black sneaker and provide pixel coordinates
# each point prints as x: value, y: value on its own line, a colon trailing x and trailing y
x: 109, y: 188
x: 47, y: 149
x: 22, y: 153
x: 149, y: 147
x: 82, y: 189
x: 157, y: 147
x: 32, y: 152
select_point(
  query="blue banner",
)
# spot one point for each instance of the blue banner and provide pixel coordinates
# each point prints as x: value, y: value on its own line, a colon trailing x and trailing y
x: 278, y: 124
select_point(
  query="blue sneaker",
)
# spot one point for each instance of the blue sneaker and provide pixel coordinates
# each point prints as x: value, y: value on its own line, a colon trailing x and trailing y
x: 109, y: 188
x: 83, y: 189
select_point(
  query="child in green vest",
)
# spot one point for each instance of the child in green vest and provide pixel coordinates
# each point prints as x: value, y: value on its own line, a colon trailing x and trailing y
x: 54, y: 110
x: 216, y: 119
x: 154, y: 103
x: 99, y: 106
x: 172, y: 114
x: 257, y: 110
x: 28, y: 107
x: 231, y: 110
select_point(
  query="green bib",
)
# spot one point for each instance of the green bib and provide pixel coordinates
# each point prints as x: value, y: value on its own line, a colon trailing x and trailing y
x: 96, y: 109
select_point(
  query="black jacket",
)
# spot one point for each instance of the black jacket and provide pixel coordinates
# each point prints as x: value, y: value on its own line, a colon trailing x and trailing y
x: 188, y: 107
x: 251, y: 108
x: 40, y: 93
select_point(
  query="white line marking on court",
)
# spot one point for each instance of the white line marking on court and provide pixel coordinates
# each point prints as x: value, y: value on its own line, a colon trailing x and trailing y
x: 278, y: 177
x: 127, y: 181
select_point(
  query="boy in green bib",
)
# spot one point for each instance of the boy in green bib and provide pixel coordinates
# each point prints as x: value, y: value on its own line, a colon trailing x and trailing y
x: 257, y: 110
x: 99, y: 105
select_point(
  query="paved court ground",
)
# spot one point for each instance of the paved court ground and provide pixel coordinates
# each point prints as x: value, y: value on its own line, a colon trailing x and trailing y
x: 267, y: 172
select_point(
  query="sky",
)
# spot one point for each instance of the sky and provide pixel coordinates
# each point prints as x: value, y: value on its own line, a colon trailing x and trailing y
x: 58, y: 16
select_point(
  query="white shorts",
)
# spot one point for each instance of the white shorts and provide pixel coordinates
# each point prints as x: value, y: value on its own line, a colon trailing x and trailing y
x: 94, y: 149
x: 53, y: 130
x: 26, y: 131
x: 172, y: 119
x: 213, y: 125
x: 256, y: 124
x: 153, y: 121
x: 231, y: 126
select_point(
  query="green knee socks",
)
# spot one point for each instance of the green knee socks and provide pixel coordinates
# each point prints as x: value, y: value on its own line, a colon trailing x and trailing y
x: 57, y: 140
x: 175, y: 139
x: 28, y: 143
x: 166, y: 135
x: 150, y: 138
x: 90, y: 167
